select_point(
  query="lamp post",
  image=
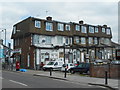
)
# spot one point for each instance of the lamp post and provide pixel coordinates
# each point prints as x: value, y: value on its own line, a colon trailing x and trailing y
x: 3, y: 29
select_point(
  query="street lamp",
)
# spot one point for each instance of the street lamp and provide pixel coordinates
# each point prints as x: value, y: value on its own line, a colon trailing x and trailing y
x: 3, y: 29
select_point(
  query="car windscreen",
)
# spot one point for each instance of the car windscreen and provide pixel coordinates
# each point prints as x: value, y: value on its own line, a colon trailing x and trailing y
x: 50, y: 63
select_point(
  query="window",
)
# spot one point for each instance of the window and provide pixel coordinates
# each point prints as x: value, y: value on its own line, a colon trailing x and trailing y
x: 107, y: 41
x: 83, y: 29
x: 67, y: 40
x: 60, y: 27
x: 77, y: 27
x: 108, y: 31
x: 36, y: 39
x: 49, y: 26
x: 83, y: 40
x: 67, y: 27
x: 37, y: 24
x: 77, y: 40
x: 48, y: 39
x: 90, y: 40
x: 95, y: 40
x: 96, y: 29
x: 91, y: 29
x: 14, y: 29
x: 59, y: 39
x: 103, y: 30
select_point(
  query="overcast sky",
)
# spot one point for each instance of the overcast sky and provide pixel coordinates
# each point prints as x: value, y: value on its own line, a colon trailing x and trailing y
x: 94, y: 13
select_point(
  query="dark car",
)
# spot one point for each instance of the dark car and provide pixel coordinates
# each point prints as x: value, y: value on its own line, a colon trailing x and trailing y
x: 81, y: 68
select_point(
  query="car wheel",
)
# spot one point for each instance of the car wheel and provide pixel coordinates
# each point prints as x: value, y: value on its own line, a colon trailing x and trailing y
x: 69, y: 71
x: 72, y: 72
x: 44, y: 69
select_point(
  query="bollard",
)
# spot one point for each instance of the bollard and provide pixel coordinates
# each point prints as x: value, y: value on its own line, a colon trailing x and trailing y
x: 106, y: 78
x: 50, y: 71
x: 65, y: 72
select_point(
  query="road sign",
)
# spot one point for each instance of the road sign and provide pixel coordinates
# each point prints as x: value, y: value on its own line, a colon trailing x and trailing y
x: 118, y: 54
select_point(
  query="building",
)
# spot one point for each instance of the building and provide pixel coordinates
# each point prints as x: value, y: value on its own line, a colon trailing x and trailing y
x: 41, y: 40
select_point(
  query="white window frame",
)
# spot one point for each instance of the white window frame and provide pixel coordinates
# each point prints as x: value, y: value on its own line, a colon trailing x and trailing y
x: 60, y: 27
x: 103, y: 30
x: 108, y: 31
x: 96, y: 29
x: 77, y: 39
x: 37, y: 24
x: 49, y: 26
x: 67, y: 27
x: 77, y: 27
x: 83, y: 39
x: 90, y: 40
x: 95, y: 40
x: 91, y: 29
x: 83, y: 29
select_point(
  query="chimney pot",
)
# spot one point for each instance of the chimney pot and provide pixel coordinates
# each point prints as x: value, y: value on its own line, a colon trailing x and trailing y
x: 81, y: 22
x: 49, y: 18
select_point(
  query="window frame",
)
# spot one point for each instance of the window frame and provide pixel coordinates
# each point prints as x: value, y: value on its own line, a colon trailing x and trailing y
x: 37, y: 24
x: 83, y: 28
x: 91, y: 29
x: 67, y: 25
x: 108, y: 33
x: 77, y: 27
x: 60, y: 26
x: 82, y: 40
x: 96, y: 31
x: 103, y: 30
x: 49, y: 26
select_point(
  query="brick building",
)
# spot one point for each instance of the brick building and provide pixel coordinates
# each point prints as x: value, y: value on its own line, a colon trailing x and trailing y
x: 43, y: 40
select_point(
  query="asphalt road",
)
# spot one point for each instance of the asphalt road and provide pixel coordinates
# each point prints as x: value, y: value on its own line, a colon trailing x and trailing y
x: 21, y: 80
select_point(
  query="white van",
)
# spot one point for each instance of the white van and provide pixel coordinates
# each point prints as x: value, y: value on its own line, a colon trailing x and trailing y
x: 54, y: 65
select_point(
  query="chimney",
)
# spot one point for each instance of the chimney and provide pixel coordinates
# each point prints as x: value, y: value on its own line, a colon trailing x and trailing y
x: 1, y: 41
x: 81, y: 22
x: 49, y: 18
x: 105, y: 26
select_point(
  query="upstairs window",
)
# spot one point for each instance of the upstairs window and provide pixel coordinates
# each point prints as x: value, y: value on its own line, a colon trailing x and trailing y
x: 60, y: 27
x: 83, y: 40
x: 49, y: 26
x: 60, y: 39
x: 77, y: 40
x: 37, y: 24
x: 77, y: 27
x: 95, y: 40
x: 103, y: 30
x: 91, y: 29
x: 67, y: 27
x: 108, y: 31
x: 96, y: 29
x: 83, y: 29
x: 90, y: 40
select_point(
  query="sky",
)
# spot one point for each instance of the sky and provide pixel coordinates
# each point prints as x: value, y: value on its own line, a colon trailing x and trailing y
x: 91, y: 12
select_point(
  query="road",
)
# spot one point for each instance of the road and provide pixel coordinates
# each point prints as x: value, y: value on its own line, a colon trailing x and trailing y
x: 22, y: 80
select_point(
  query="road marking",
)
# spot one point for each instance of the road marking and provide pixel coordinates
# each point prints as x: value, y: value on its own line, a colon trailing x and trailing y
x: 18, y: 82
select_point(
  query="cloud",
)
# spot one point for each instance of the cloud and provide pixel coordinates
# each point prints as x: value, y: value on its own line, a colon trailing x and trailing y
x: 95, y: 13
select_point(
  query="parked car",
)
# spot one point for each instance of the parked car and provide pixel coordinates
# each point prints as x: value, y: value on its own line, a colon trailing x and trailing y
x: 115, y: 62
x: 54, y: 65
x: 68, y: 66
x: 81, y: 68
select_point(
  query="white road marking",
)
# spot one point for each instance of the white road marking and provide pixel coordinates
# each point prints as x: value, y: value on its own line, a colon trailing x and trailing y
x: 18, y: 82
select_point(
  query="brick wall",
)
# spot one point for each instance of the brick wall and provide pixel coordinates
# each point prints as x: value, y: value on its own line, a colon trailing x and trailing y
x: 99, y: 70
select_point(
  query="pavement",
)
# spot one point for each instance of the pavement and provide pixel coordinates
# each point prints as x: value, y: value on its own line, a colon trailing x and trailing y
x: 113, y: 84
